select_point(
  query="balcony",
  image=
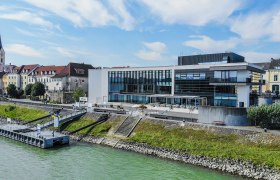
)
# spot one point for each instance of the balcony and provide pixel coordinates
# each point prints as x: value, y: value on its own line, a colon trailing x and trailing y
x: 230, y: 81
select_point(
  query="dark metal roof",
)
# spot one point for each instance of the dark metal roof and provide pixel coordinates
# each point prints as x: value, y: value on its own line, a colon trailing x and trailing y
x: 274, y: 63
x: 2, y: 74
x: 210, y: 58
x: 264, y: 65
x: 75, y: 69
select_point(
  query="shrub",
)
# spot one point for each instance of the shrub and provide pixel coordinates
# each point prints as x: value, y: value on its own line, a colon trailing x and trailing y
x: 10, y: 108
x: 266, y: 116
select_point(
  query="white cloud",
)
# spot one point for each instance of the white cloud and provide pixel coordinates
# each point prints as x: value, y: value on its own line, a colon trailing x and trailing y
x: 208, y: 45
x: 192, y: 12
x: 27, y: 17
x: 25, y: 32
x: 64, y: 52
x: 152, y: 51
x: 23, y: 50
x: 89, y: 13
x: 254, y: 57
x: 258, y: 25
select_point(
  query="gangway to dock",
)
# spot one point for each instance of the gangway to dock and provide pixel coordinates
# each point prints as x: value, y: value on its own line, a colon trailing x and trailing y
x: 101, y: 119
x: 65, y: 118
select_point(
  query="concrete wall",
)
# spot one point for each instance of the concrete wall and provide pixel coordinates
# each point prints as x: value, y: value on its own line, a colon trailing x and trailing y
x: 98, y: 86
x: 230, y: 116
x: 243, y: 95
x: 265, y: 101
x: 242, y: 75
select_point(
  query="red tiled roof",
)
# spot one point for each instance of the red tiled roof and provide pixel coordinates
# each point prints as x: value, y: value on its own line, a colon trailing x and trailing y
x: 30, y: 66
x: 58, y: 69
x: 64, y: 72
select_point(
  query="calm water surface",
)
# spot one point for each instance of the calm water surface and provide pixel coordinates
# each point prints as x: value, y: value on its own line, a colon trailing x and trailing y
x: 84, y: 161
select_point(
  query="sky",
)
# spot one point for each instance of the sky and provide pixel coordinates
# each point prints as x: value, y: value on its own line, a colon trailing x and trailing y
x: 136, y: 32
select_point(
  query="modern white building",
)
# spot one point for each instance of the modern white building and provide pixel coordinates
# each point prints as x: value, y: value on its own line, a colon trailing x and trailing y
x: 207, y: 83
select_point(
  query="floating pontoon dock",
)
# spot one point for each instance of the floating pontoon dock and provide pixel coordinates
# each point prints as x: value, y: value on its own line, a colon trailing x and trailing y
x: 25, y: 134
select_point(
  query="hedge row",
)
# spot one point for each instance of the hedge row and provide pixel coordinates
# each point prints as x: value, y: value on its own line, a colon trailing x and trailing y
x: 266, y: 116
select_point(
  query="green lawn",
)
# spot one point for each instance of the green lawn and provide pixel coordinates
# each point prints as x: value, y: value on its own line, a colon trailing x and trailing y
x: 99, y: 130
x: 200, y: 142
x: 21, y: 113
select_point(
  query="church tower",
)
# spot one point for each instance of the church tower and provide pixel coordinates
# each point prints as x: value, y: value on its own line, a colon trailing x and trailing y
x: 2, y: 57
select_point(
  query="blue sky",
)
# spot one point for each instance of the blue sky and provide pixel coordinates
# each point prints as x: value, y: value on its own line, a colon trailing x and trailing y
x: 136, y: 32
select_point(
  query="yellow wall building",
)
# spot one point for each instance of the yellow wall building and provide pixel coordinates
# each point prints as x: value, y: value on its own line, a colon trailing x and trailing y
x: 272, y: 75
x: 5, y: 81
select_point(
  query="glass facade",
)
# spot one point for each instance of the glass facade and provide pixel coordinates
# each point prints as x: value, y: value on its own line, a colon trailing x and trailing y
x: 134, y: 86
x: 197, y: 83
x: 155, y: 86
x: 194, y: 83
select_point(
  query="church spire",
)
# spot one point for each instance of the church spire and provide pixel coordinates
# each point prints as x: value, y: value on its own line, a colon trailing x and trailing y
x: 0, y: 43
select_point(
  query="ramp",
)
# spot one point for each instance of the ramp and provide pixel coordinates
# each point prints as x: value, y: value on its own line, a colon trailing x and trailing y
x: 65, y: 118
x: 126, y: 128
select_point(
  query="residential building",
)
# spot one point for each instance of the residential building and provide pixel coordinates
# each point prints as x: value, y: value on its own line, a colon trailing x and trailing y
x: 201, y: 81
x: 14, y: 77
x: 272, y: 75
x: 9, y: 68
x: 63, y: 84
x: 25, y: 73
x: 44, y: 74
x: 2, y: 57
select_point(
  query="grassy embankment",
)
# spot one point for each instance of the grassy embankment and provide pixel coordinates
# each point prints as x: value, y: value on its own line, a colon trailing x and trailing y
x: 201, y: 142
x: 99, y: 130
x: 21, y: 113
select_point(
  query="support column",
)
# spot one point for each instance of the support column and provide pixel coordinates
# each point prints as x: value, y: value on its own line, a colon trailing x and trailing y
x: 243, y: 95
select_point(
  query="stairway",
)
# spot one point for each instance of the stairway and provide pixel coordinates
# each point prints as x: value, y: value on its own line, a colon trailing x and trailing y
x: 126, y: 128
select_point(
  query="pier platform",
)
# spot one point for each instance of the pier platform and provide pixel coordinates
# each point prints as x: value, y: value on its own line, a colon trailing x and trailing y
x: 44, y: 139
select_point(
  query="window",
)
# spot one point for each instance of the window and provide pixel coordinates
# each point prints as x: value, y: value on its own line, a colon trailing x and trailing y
x: 275, y: 77
x: 275, y: 88
x: 80, y: 71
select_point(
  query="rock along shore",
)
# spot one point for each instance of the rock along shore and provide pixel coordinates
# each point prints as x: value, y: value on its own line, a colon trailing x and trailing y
x: 235, y: 167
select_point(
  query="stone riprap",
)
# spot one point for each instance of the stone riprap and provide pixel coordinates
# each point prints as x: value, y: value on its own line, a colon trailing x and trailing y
x: 236, y: 167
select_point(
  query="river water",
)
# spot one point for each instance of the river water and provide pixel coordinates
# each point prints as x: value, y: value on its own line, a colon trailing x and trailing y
x: 85, y: 161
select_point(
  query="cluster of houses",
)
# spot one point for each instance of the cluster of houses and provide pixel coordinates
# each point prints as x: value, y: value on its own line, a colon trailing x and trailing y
x: 60, y: 81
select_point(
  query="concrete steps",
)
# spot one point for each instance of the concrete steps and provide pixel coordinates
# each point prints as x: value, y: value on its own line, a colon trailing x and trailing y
x: 127, y: 126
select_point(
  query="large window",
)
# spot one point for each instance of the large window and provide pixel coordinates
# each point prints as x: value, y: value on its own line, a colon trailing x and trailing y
x: 225, y: 76
x: 144, y: 82
x: 275, y: 77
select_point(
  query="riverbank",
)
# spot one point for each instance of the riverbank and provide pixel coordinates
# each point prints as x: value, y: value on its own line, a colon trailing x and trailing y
x: 235, y: 167
x: 215, y: 148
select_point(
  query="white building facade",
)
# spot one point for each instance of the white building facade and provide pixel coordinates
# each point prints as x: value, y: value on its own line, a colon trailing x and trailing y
x: 228, y: 84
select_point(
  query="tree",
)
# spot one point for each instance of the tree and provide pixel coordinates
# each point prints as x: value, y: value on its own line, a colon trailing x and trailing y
x: 12, y: 90
x: 277, y: 93
x: 28, y: 89
x: 20, y: 92
x: 79, y: 92
x: 38, y: 89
